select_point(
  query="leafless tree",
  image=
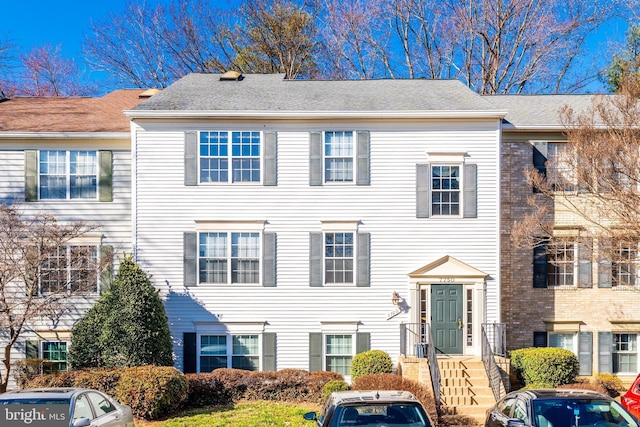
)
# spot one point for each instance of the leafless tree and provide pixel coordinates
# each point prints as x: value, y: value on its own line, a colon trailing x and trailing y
x: 40, y: 274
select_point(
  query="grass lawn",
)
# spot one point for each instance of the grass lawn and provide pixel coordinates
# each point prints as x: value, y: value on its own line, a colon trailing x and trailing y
x: 247, y: 414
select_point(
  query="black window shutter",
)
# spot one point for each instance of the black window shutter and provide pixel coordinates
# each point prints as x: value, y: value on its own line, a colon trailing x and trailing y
x: 363, y: 158
x: 316, y: 250
x: 190, y: 260
x: 31, y: 350
x: 191, y: 158
x: 540, y: 266
x: 364, y: 263
x: 470, y: 191
x: 270, y: 158
x: 605, y: 352
x: 106, y: 275
x: 585, y: 352
x: 105, y: 180
x: 30, y: 175
x: 269, y: 259
x: 315, y: 158
x: 315, y: 351
x: 363, y: 342
x: 540, y: 158
x: 423, y: 188
x: 268, y: 351
x: 190, y: 352
x: 539, y: 339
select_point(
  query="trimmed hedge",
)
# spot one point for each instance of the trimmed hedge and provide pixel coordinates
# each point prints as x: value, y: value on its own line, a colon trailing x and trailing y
x: 207, y: 390
x: 371, y: 362
x: 544, y: 366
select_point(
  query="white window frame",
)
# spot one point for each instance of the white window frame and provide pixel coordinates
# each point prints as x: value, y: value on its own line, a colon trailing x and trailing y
x: 337, y: 156
x: 449, y: 191
x: 627, y: 260
x: 229, y: 354
x: 326, y: 355
x: 67, y: 175
x: 337, y: 227
x: 230, y: 157
x: 573, y: 338
x: 68, y: 248
x: 630, y: 351
x: 556, y: 151
x: 551, y: 267
x: 229, y: 258
x: 447, y: 159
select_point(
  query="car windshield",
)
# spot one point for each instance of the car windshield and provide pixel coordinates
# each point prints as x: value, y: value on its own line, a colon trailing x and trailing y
x: 35, y: 401
x: 580, y: 412
x: 376, y: 415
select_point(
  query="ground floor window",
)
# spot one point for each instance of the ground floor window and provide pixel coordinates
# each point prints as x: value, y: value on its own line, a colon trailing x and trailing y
x: 339, y: 353
x: 625, y: 353
x: 229, y: 351
x: 55, y: 355
x: 563, y: 340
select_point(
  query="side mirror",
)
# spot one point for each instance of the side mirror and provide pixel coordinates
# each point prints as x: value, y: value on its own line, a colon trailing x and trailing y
x: 515, y: 423
x: 310, y: 416
x: 82, y: 422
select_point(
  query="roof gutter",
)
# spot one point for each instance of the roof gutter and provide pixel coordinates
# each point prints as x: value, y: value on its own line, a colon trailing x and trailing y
x: 258, y: 114
x: 65, y: 135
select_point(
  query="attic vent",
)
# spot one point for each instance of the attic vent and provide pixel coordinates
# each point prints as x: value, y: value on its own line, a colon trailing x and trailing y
x: 148, y: 93
x: 231, y: 76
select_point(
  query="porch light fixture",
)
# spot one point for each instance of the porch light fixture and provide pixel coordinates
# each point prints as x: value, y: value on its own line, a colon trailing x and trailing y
x: 395, y: 298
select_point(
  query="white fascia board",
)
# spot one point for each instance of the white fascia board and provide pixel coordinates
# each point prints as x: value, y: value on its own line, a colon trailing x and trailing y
x: 413, y: 114
x: 65, y: 135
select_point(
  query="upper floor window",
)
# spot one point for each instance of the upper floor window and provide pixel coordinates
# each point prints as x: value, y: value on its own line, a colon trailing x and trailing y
x: 230, y: 156
x: 70, y: 269
x: 562, y: 263
x: 68, y: 174
x: 560, y: 166
x: 625, y: 264
x: 338, y: 156
x: 339, y: 255
x: 338, y: 260
x: 229, y: 257
x: 341, y: 156
x: 445, y: 190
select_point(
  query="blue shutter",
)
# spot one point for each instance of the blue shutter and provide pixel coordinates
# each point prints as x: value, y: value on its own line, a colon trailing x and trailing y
x: 315, y: 351
x: 268, y: 351
x: 585, y: 352
x: 315, y: 158
x: 540, y: 266
x: 270, y: 158
x: 605, y: 352
x: 423, y: 188
x: 105, y: 180
x: 30, y: 175
x: 470, y: 191
x: 363, y: 158
x: 584, y: 267
x: 189, y: 353
x: 191, y: 158
x: 269, y: 259
x: 316, y: 251
x: 190, y: 259
x: 364, y: 262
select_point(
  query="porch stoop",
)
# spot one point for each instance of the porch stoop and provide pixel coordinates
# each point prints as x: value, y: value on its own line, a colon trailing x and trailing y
x: 464, y: 388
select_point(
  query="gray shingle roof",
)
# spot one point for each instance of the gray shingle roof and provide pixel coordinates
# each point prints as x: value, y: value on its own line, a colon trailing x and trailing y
x: 272, y: 93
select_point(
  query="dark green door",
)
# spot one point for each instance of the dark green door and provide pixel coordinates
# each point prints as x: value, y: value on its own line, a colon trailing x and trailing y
x: 446, y: 318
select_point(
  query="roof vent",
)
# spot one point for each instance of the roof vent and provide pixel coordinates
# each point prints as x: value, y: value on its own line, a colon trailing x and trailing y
x: 231, y: 76
x: 149, y: 93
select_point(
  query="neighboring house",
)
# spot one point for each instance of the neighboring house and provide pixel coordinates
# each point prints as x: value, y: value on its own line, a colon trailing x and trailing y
x: 569, y: 297
x: 69, y: 157
x: 292, y: 224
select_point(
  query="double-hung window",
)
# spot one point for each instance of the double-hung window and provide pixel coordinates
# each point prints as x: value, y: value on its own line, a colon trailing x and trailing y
x: 339, y: 351
x: 625, y: 264
x: 562, y: 264
x: 68, y: 174
x: 445, y: 190
x: 229, y: 351
x: 71, y: 268
x: 566, y: 341
x: 562, y: 261
x: 55, y: 354
x: 229, y: 257
x: 625, y: 353
x: 339, y: 257
x: 230, y: 156
x: 338, y: 156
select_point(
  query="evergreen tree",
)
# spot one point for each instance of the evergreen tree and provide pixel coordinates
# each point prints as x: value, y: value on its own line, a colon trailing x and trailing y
x: 127, y: 327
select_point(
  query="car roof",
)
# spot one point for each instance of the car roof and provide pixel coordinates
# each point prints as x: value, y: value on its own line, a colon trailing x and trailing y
x: 563, y: 393
x: 372, y: 396
x: 49, y: 393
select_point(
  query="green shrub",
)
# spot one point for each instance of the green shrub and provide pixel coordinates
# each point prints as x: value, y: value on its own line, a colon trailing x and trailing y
x: 370, y: 362
x: 152, y: 391
x: 207, y: 390
x: 545, y: 365
x: 334, y: 385
x: 610, y: 383
x: 396, y: 382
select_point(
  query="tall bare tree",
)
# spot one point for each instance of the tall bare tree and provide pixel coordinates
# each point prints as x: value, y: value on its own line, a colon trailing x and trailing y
x: 593, y: 184
x: 41, y: 276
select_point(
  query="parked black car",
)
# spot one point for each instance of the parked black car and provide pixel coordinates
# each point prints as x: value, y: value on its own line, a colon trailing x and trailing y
x: 558, y: 408
x: 371, y: 409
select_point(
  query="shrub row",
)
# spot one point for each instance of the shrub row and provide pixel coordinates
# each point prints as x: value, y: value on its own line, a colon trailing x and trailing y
x: 154, y: 392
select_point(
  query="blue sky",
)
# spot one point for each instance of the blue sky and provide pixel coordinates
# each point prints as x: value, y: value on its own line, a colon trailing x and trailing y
x: 31, y: 23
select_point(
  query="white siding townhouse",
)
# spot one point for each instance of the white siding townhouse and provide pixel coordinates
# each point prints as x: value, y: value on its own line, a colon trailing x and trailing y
x: 69, y: 157
x: 292, y: 224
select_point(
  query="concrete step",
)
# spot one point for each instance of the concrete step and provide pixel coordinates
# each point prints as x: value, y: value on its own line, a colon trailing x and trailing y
x: 467, y: 391
x: 456, y: 401
x: 464, y: 382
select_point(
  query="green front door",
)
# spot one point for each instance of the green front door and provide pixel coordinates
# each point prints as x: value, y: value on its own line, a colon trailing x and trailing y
x: 446, y: 318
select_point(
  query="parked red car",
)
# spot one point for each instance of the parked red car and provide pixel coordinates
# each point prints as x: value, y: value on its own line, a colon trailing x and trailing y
x: 631, y: 399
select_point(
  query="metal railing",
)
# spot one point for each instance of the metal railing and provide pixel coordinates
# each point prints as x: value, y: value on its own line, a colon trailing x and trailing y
x: 416, y: 341
x: 493, y: 344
